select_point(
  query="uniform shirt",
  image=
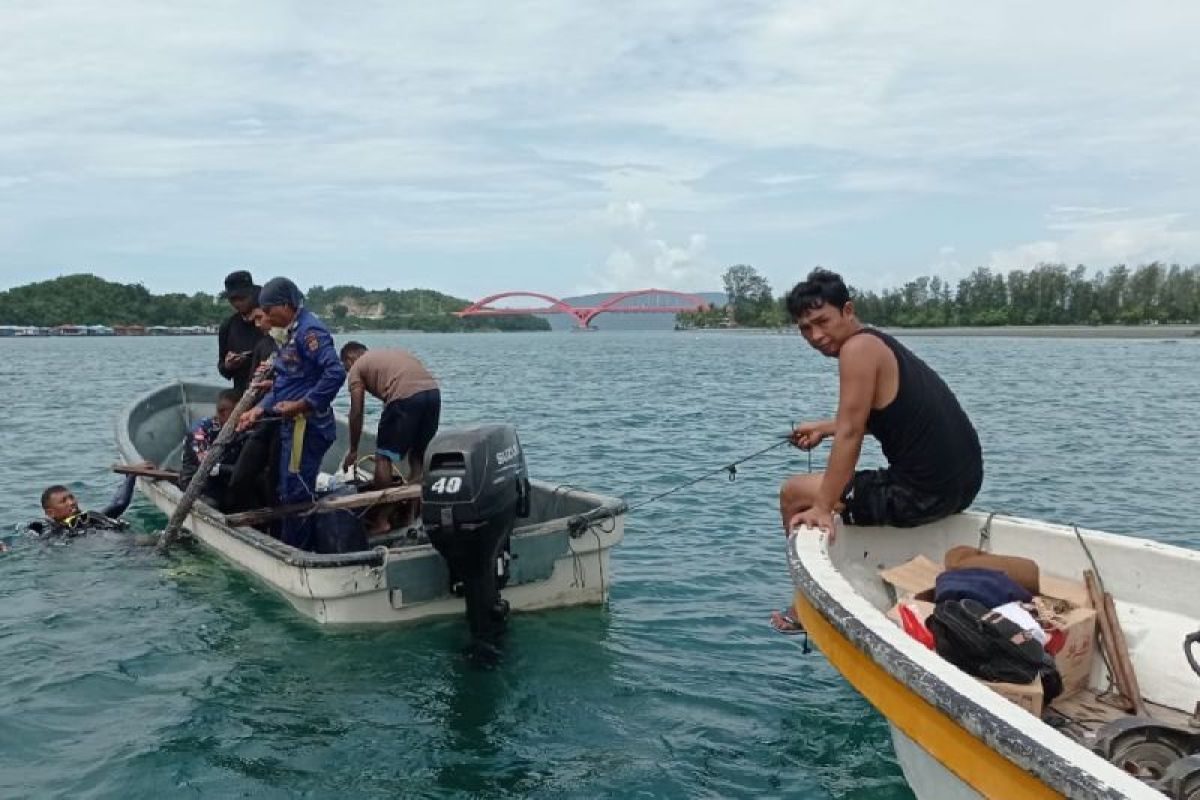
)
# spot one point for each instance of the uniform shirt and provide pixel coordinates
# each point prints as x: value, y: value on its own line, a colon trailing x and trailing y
x: 236, y: 335
x: 307, y: 368
x: 197, y: 444
x: 390, y: 375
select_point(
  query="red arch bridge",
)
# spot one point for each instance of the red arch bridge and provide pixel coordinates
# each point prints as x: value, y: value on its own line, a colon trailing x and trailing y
x: 676, y: 302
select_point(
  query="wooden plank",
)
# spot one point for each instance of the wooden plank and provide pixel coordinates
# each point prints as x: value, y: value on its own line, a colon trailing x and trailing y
x: 1122, y: 648
x: 1108, y: 640
x: 393, y: 494
x: 152, y: 473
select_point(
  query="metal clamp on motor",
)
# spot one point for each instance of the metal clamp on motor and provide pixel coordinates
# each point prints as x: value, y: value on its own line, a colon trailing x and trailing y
x: 475, y: 486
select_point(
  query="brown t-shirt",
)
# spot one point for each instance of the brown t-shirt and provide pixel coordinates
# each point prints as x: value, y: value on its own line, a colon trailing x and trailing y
x: 390, y: 374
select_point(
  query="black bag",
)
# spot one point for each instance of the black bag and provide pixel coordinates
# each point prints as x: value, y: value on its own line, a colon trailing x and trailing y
x: 988, y: 645
x: 338, y: 531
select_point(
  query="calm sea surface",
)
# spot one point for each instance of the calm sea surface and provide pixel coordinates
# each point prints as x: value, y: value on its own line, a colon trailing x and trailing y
x: 128, y: 674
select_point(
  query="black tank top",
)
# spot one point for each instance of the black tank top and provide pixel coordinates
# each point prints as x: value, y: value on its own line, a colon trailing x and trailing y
x: 929, y: 442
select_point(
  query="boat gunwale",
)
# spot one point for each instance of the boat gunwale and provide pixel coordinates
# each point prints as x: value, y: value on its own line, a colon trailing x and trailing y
x: 606, y: 508
x: 1004, y: 737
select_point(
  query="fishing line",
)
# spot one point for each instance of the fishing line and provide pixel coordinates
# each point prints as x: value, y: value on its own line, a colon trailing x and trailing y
x: 730, y: 469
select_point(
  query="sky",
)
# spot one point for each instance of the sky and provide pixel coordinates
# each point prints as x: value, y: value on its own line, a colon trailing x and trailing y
x: 568, y: 147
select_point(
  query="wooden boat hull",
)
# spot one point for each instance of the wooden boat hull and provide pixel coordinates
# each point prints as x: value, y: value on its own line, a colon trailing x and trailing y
x: 559, y: 562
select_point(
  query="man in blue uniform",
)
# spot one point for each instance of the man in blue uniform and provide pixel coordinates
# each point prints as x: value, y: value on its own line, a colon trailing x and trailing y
x: 308, y: 375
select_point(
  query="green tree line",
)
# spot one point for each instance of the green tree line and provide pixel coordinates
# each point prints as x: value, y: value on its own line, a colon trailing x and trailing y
x: 90, y: 300
x: 1048, y: 294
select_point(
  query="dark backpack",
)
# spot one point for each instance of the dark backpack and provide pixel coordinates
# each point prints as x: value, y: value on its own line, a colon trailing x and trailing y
x: 988, y: 645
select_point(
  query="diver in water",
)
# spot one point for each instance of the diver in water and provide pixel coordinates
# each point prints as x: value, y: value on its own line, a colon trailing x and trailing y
x: 65, y: 519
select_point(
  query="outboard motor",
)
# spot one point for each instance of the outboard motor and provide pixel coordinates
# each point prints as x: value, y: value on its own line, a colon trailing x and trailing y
x: 475, y: 486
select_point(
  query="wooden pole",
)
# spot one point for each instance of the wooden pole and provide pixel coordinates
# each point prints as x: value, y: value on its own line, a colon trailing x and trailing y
x: 393, y: 494
x: 153, y: 473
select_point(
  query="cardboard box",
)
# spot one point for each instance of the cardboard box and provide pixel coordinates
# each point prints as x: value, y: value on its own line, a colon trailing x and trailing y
x: 914, y: 579
x: 1074, y: 592
x: 1072, y: 642
x: 1028, y: 696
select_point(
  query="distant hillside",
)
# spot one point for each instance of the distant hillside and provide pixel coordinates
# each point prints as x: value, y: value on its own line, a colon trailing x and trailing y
x: 410, y: 309
x: 91, y: 300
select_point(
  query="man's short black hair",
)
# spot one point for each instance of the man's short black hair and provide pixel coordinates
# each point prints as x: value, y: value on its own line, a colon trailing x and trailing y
x: 50, y: 491
x: 232, y: 395
x: 821, y: 287
x: 350, y: 348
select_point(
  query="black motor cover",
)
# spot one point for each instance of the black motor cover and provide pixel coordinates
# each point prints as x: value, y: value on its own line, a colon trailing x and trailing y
x: 474, y: 487
x: 473, y: 475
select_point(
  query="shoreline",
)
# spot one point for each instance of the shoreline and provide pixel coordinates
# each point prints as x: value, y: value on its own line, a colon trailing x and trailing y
x: 1147, y: 332
x: 1060, y: 331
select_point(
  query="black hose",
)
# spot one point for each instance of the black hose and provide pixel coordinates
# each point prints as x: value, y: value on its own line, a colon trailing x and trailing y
x: 1188, y: 643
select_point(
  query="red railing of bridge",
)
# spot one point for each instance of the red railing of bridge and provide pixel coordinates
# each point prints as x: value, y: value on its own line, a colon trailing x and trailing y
x: 584, y: 316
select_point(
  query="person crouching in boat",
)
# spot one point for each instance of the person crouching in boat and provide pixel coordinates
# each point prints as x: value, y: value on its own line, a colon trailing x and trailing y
x: 217, y: 488
x: 308, y: 375
x: 411, y: 413
x: 935, y: 465
x: 64, y: 518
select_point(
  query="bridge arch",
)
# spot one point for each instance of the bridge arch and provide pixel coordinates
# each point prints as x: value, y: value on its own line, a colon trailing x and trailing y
x: 482, y: 305
x: 694, y: 303
x: 583, y: 316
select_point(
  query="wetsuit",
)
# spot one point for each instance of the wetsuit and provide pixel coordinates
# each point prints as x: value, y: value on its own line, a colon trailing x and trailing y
x: 306, y: 368
x: 107, y: 519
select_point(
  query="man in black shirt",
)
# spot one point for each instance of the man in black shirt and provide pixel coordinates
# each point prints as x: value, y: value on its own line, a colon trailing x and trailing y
x: 935, y: 466
x: 238, y: 335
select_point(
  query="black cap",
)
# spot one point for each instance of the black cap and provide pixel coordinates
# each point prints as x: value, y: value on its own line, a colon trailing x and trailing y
x: 239, y: 284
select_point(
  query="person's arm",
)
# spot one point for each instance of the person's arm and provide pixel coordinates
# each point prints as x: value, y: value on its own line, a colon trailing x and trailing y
x: 120, y: 501
x: 858, y: 370
x: 222, y: 350
x: 357, y: 412
x: 318, y: 346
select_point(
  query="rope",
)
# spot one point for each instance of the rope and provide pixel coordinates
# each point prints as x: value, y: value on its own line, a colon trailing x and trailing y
x: 1088, y: 552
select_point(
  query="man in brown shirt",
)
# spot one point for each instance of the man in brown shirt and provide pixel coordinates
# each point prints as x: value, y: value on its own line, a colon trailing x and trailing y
x: 411, y: 412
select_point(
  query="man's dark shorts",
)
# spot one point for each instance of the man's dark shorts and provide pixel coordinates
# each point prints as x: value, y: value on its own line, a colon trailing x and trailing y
x: 875, y: 497
x: 408, y: 425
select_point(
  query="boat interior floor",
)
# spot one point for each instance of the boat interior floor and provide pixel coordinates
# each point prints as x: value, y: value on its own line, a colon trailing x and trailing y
x: 1083, y: 713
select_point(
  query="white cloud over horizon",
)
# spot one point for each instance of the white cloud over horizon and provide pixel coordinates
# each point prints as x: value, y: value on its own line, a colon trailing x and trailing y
x: 475, y: 148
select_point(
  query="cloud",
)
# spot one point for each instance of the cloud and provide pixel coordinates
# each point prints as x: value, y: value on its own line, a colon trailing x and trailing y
x: 1098, y: 238
x: 139, y: 136
x: 641, y: 258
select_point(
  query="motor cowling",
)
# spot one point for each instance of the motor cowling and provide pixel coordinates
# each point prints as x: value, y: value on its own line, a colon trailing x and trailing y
x: 475, y: 486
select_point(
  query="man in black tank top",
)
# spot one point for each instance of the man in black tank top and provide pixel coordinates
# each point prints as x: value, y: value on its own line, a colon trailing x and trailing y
x: 935, y: 466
